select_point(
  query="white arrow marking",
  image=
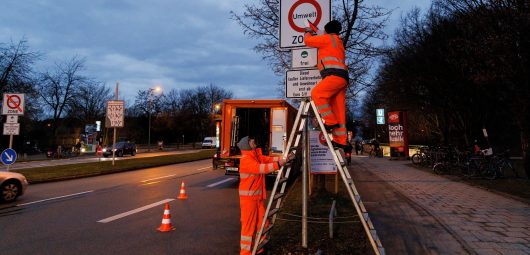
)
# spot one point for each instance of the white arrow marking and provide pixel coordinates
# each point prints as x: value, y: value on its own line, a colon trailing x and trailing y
x: 9, y: 157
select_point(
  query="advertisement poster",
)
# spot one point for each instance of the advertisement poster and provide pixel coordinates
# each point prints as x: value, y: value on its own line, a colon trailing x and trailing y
x: 397, y: 134
x: 320, y: 156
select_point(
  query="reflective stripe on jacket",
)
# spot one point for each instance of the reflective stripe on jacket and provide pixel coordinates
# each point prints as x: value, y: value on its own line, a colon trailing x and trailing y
x: 252, y: 169
x: 331, y: 54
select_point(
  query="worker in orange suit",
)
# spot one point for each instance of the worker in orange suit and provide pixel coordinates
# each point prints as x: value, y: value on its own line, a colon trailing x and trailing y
x: 253, y: 167
x: 329, y: 94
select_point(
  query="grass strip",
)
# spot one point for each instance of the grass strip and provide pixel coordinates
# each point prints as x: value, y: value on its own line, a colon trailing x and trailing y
x: 64, y: 172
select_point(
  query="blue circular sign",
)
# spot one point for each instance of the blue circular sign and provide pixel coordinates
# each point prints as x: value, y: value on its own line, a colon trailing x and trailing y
x: 9, y: 156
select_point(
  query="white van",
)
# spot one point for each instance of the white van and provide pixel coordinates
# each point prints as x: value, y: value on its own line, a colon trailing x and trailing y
x: 209, y: 142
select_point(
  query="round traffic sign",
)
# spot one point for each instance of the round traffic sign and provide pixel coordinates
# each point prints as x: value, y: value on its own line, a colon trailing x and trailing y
x: 9, y: 156
x: 317, y: 14
x: 13, y: 102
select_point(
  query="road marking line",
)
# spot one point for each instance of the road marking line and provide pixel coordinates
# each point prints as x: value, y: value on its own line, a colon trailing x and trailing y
x: 125, y: 214
x: 53, y: 198
x: 150, y: 183
x: 220, y: 182
x: 204, y: 168
x: 162, y: 177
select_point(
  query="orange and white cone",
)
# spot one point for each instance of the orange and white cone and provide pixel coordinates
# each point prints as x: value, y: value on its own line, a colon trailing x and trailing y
x: 182, y: 194
x: 166, y: 221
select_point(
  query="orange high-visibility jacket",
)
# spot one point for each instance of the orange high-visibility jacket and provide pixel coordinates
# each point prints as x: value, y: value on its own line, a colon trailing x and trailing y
x: 331, y: 54
x: 252, y: 169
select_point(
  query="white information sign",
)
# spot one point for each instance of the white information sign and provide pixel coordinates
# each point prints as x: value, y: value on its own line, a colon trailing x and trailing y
x: 115, y: 114
x: 11, y: 129
x: 11, y: 119
x: 320, y: 155
x: 304, y: 58
x: 13, y: 104
x: 294, y: 15
x: 298, y: 83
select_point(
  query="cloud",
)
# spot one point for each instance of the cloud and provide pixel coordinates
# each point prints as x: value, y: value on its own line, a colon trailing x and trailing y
x: 176, y: 44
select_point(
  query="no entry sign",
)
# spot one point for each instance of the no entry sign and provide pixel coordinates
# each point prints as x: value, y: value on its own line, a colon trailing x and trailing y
x: 13, y: 104
x: 293, y: 17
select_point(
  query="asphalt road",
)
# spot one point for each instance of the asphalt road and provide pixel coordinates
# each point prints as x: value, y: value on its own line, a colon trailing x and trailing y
x: 119, y: 214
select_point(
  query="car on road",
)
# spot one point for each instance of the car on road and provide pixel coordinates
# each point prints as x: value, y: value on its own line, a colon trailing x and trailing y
x: 12, y: 185
x: 209, y: 142
x: 121, y: 148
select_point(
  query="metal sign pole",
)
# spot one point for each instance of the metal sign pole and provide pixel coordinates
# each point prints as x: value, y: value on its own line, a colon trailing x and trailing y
x: 304, y: 185
x: 114, y: 139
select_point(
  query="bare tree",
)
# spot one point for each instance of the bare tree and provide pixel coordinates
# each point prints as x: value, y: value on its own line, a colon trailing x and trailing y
x: 15, y: 65
x: 362, y: 28
x: 57, y: 87
x: 89, y: 99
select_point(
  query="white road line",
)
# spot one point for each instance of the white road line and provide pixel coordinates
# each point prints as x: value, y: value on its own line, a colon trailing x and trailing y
x: 204, y: 168
x: 220, y: 182
x: 53, y: 198
x: 162, y: 177
x: 125, y: 214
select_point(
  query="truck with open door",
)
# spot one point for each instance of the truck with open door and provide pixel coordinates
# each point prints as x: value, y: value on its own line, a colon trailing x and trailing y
x: 268, y: 120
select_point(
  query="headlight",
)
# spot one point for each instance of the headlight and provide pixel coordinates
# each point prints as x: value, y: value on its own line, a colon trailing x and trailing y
x: 104, y: 150
x: 83, y: 149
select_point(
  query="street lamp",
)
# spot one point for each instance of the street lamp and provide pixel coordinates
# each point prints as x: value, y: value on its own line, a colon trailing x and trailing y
x: 151, y: 90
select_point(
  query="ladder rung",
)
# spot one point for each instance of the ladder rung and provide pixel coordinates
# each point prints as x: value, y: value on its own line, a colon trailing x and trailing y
x: 262, y: 244
x: 304, y: 116
x: 282, y: 180
x: 361, y: 205
x: 273, y: 211
x: 374, y: 234
x: 381, y: 250
x: 294, y: 148
x: 279, y: 195
x: 366, y: 217
x: 357, y: 198
x: 267, y: 229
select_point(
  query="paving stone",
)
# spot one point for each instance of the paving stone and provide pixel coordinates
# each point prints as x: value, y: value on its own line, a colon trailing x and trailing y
x: 487, y: 252
x: 515, y: 234
x: 515, y: 240
x: 490, y: 223
x: 511, y: 252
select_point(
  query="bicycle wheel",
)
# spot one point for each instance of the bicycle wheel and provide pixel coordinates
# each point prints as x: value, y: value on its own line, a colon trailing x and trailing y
x: 490, y: 172
x: 440, y: 168
x: 416, y: 159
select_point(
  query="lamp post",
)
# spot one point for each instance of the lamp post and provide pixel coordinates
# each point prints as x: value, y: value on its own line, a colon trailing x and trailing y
x: 215, y: 110
x: 156, y: 89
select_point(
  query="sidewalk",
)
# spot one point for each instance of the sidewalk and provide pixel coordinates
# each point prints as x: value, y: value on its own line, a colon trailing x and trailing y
x: 417, y: 212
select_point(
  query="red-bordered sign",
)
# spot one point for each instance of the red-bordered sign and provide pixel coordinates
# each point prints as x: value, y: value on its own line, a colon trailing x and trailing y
x: 293, y: 17
x: 318, y: 12
x: 13, y: 104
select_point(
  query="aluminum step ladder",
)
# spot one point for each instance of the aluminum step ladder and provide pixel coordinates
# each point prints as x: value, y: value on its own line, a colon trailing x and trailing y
x: 298, y: 133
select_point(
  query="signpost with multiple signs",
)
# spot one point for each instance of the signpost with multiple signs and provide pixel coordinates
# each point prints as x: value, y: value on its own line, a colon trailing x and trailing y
x: 12, y: 107
x: 294, y: 17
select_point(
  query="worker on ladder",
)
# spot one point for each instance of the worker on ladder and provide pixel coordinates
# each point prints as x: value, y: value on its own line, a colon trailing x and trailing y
x: 329, y: 94
x: 253, y: 167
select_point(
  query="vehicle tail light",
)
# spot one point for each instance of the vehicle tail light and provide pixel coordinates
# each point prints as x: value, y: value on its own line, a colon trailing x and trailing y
x: 229, y: 163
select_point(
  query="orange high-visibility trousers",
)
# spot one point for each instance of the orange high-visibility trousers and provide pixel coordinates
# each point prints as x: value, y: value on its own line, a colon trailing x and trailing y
x: 252, y: 212
x: 329, y: 96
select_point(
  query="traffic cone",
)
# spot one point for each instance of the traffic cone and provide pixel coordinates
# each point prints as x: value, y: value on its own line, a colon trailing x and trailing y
x: 182, y: 195
x: 166, y: 221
